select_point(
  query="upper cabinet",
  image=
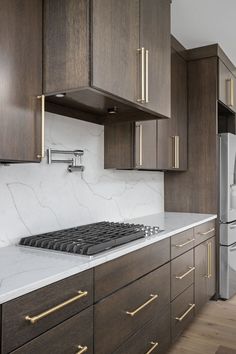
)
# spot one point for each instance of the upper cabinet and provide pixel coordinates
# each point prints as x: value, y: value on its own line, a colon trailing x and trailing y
x: 21, y: 80
x: 227, y: 86
x: 154, y: 144
x: 107, y: 59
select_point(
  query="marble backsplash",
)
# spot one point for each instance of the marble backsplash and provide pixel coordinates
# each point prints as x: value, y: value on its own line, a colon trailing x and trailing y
x: 36, y: 198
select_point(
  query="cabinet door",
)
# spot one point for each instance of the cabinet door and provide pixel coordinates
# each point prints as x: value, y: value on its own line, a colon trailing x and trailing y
x: 172, y: 134
x: 200, y: 276
x: 204, y: 272
x: 227, y: 87
x: 21, y: 79
x: 115, y: 40
x: 145, y: 145
x: 155, y: 39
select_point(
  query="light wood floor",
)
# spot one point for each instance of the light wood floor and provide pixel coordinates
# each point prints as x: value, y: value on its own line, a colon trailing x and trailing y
x: 215, y: 326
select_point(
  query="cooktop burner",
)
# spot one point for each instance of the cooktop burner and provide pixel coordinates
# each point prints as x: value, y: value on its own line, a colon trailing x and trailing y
x: 90, y: 239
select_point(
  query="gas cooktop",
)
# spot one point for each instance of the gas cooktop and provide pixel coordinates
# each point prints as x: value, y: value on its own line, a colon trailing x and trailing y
x: 90, y: 239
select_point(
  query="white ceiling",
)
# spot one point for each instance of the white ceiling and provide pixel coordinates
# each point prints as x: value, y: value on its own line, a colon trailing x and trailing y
x: 201, y: 22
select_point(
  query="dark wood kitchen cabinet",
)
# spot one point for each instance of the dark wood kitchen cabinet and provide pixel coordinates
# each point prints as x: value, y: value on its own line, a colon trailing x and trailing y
x: 154, y: 144
x: 21, y: 80
x: 205, y: 265
x: 108, y: 59
x: 227, y: 86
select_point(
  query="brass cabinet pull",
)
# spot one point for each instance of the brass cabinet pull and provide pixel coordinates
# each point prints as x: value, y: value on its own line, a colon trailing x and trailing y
x: 82, y: 349
x: 186, y: 243
x: 180, y: 277
x: 40, y: 156
x: 133, y: 313
x: 231, y: 92
x: 154, y: 345
x: 36, y: 318
x: 147, y: 77
x: 140, y: 144
x: 209, y: 260
x: 180, y: 319
x: 142, y: 99
x: 207, y: 232
x: 175, y: 151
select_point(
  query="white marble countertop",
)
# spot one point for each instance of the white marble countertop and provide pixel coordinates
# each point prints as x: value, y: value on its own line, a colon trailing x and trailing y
x: 23, y: 269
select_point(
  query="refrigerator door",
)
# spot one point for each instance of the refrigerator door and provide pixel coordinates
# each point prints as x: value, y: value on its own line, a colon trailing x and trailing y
x: 227, y: 144
x: 228, y: 234
x: 227, y: 271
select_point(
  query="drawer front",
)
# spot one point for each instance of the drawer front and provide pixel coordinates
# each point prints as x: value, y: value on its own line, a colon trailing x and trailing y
x: 70, y: 337
x: 113, y: 275
x: 14, y: 312
x: 182, y: 312
x: 204, y: 232
x: 155, y: 335
x: 182, y: 273
x: 181, y: 243
x: 122, y: 314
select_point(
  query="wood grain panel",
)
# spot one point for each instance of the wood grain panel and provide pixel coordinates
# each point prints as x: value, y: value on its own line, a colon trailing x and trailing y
x: 196, y: 189
x: 21, y: 79
x: 66, y: 45
x: 34, y: 303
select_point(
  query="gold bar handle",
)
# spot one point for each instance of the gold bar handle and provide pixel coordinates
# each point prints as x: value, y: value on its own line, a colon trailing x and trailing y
x: 180, y: 277
x: 207, y: 232
x: 133, y: 313
x: 231, y: 92
x: 154, y: 345
x: 147, y: 76
x: 209, y: 258
x: 82, y: 349
x: 40, y: 156
x: 35, y: 319
x: 142, y: 99
x: 175, y: 151
x: 140, y: 144
x: 180, y: 319
x: 186, y: 243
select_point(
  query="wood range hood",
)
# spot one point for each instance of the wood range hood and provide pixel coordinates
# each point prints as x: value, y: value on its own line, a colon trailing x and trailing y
x: 107, y: 61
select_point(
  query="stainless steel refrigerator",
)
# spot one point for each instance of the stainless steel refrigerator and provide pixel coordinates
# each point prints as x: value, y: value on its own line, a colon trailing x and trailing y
x: 227, y: 215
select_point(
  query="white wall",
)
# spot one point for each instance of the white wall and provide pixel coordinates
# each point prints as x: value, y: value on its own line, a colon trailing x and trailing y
x: 36, y: 198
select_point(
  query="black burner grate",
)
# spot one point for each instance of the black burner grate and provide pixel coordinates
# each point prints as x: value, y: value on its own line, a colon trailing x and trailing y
x: 89, y: 239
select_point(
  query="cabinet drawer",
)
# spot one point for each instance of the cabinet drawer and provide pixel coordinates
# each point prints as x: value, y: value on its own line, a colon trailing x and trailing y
x: 69, y: 337
x: 155, y: 335
x: 182, y: 273
x: 14, y: 312
x: 181, y: 243
x: 123, y: 313
x: 182, y: 312
x: 204, y: 232
x: 113, y: 275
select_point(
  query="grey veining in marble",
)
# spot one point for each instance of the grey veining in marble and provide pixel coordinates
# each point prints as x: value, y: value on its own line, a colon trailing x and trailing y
x: 26, y: 269
x: 36, y: 198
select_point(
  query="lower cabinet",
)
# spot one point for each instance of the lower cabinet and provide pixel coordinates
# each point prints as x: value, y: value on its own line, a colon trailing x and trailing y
x: 71, y: 337
x: 123, y: 313
x: 205, y: 264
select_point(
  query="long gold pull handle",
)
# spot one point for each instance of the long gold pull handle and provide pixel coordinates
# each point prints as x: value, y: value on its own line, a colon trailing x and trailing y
x: 142, y: 99
x: 180, y: 319
x: 82, y: 349
x: 140, y: 144
x: 175, y: 151
x: 147, y: 77
x: 154, y: 345
x: 231, y: 92
x: 180, y: 277
x: 35, y: 319
x: 185, y: 243
x: 42, y: 97
x: 133, y: 313
x: 207, y: 232
x: 209, y: 259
